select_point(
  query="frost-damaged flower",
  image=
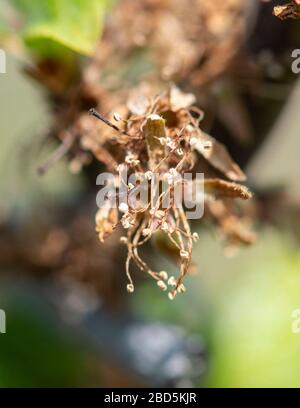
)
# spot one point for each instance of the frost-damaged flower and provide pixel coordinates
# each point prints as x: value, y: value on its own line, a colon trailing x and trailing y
x: 161, y: 137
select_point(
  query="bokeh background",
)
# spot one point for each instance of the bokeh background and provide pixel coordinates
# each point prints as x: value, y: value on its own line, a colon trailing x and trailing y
x: 233, y: 326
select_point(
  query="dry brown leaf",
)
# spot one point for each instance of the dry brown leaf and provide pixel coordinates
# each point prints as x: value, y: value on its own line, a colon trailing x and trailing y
x: 222, y: 188
x: 217, y: 155
x: 289, y: 10
x: 106, y: 220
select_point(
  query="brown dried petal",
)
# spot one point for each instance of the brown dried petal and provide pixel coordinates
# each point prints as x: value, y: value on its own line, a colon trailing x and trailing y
x: 217, y: 155
x: 106, y: 220
x: 222, y: 188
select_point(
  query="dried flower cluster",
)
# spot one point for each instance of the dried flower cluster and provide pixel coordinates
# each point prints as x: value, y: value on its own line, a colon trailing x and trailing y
x: 162, y: 136
x: 289, y: 10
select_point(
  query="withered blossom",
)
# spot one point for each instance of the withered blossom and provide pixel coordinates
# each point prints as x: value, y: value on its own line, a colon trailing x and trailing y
x: 165, y: 139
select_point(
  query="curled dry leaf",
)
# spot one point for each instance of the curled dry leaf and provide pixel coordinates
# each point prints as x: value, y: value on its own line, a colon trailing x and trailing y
x: 222, y: 188
x: 106, y: 220
x: 217, y: 155
x: 289, y: 10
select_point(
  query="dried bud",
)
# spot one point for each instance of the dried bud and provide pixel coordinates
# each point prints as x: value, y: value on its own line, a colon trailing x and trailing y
x: 161, y: 284
x: 172, y: 281
x: 163, y: 275
x: 171, y: 295
x: 127, y: 221
x: 181, y: 288
x: 123, y: 207
x: 132, y: 159
x: 117, y: 116
x: 184, y: 254
x: 195, y: 237
x: 173, y: 171
x: 130, y: 288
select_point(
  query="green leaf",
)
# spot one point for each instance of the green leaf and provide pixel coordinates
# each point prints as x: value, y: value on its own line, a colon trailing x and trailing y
x: 72, y: 24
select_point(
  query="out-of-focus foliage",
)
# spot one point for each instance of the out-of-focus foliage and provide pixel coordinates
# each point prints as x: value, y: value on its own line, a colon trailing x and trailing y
x: 3, y: 27
x: 253, y: 339
x: 244, y: 309
x: 50, y: 26
x: 34, y: 353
